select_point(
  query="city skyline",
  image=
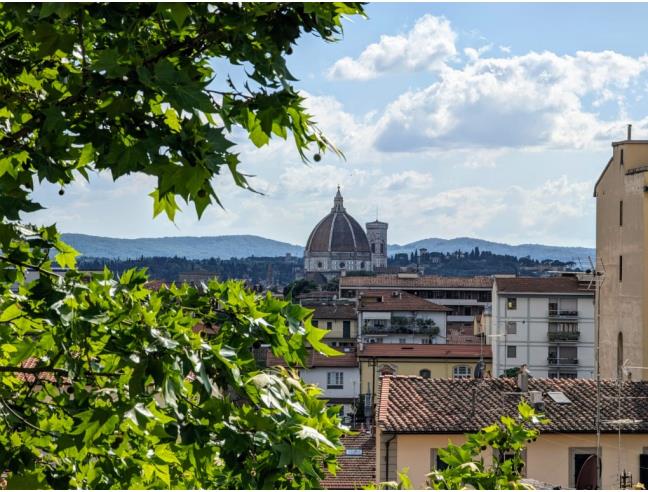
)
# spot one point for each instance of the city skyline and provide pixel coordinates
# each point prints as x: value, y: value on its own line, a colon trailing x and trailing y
x: 455, y: 120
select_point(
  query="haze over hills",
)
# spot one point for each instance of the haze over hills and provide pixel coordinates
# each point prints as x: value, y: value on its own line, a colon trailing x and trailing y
x: 242, y: 246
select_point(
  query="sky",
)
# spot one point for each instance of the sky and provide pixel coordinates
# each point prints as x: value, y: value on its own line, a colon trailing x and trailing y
x: 456, y: 120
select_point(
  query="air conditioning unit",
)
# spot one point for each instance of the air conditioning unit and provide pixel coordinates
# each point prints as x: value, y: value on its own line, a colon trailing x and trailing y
x: 536, y: 401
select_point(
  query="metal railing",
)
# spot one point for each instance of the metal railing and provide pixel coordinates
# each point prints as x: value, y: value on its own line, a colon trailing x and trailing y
x: 563, y: 336
x: 562, y: 361
x: 563, y: 313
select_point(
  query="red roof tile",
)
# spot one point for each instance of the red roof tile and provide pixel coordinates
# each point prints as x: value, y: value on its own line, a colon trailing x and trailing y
x: 439, y: 350
x: 389, y: 281
x: 411, y: 404
x: 558, y: 285
x: 396, y: 300
x: 315, y: 359
x: 334, y: 311
x: 356, y: 470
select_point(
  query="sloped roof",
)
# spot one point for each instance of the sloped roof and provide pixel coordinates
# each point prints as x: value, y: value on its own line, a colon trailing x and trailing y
x: 411, y: 404
x: 391, y: 281
x: 421, y: 350
x: 558, y: 285
x: 315, y: 359
x: 334, y: 311
x: 400, y: 302
x: 358, y: 469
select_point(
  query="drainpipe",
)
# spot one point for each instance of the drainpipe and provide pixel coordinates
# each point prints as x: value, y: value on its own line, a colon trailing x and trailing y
x: 387, y: 443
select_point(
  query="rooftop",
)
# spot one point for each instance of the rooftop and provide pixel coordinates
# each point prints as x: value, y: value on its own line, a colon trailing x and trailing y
x: 357, y: 464
x: 412, y: 281
x: 411, y: 404
x: 334, y: 311
x: 315, y: 359
x: 557, y: 285
x: 395, y: 300
x: 437, y: 350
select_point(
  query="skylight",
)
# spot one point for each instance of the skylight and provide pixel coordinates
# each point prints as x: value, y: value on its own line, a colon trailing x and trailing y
x: 558, y: 397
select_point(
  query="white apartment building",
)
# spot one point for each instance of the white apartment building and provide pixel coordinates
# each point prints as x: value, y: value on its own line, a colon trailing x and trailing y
x: 545, y: 323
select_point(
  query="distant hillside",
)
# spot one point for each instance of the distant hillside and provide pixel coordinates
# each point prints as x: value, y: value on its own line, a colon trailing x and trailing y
x: 535, y: 251
x: 246, y: 245
x: 190, y: 247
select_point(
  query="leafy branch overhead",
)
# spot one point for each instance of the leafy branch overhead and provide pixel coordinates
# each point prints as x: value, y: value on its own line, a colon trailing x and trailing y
x: 104, y: 381
x: 132, y: 88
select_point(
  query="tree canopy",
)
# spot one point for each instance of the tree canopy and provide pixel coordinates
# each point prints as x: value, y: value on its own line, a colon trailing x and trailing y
x: 107, y: 383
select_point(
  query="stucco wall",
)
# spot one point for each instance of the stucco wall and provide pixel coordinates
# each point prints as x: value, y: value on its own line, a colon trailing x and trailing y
x: 351, y: 381
x: 337, y: 327
x: 622, y: 304
x: 548, y: 459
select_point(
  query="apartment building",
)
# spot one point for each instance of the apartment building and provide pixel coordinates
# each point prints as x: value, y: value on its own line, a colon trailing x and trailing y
x: 340, y: 318
x: 621, y: 195
x: 467, y: 297
x: 394, y: 316
x: 545, y: 323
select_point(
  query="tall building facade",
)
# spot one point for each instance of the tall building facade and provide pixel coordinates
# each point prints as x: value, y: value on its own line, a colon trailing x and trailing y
x: 621, y: 250
x: 546, y: 324
x: 339, y: 244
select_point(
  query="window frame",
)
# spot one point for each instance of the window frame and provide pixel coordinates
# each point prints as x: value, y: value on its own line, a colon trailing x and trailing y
x: 455, y: 369
x: 511, y: 303
x: 512, y: 324
x: 335, y: 380
x: 508, y: 351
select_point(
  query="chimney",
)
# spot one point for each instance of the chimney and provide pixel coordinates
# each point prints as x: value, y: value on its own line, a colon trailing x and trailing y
x: 629, y: 132
x: 523, y: 379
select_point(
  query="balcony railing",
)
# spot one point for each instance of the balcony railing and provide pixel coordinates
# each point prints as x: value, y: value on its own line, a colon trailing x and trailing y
x: 562, y: 313
x: 410, y: 329
x: 563, y: 336
x: 562, y: 361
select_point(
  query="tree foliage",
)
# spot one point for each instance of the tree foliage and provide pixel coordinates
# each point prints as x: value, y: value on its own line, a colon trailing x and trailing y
x: 105, y: 382
x: 507, y: 439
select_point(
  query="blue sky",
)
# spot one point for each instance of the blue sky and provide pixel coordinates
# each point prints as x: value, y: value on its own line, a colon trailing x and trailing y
x: 483, y: 120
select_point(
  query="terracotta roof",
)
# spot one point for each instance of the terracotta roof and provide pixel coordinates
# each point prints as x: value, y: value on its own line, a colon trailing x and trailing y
x: 400, y: 302
x: 437, y: 350
x: 356, y: 470
x: 428, y: 281
x: 561, y: 285
x: 411, y: 404
x: 334, y: 311
x: 315, y: 359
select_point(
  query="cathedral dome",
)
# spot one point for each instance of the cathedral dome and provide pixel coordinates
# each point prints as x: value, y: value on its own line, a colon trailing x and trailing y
x: 338, y: 232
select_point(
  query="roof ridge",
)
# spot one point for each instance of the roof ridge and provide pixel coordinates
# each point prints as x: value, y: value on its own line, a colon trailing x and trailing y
x: 383, y: 401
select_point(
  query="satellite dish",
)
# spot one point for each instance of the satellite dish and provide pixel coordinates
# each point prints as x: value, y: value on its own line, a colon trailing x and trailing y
x: 587, y: 479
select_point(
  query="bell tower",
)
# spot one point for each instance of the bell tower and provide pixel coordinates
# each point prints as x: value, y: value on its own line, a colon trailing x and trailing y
x: 377, y: 236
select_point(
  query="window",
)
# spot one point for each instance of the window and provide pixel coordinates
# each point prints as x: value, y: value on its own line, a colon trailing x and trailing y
x: 583, y: 460
x: 511, y: 303
x: 435, y: 460
x: 373, y: 247
x: 346, y: 329
x: 342, y: 264
x: 335, y: 380
x: 643, y: 467
x: 425, y: 373
x: 511, y: 351
x: 621, y: 157
x: 315, y: 323
x: 620, y: 356
x: 427, y: 341
x: 329, y: 325
x: 621, y: 213
x: 620, y: 268
x: 382, y: 248
x: 402, y: 340
x: 319, y: 264
x: 362, y: 265
x: 461, y: 372
x: 511, y: 328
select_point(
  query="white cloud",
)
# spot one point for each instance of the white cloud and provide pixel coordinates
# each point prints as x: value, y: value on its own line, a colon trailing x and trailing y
x: 412, y: 180
x: 530, y: 101
x: 425, y: 47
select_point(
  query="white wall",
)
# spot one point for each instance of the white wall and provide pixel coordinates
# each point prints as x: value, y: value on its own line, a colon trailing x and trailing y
x: 532, y: 322
x: 317, y: 375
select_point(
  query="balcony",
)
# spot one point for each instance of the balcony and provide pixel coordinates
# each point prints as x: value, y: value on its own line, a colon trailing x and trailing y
x: 563, y: 336
x: 562, y: 361
x: 562, y: 314
x: 408, y: 326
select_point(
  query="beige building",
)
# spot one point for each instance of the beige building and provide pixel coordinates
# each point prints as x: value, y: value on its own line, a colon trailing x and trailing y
x: 427, y: 361
x: 417, y: 416
x: 621, y: 248
x: 341, y: 319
